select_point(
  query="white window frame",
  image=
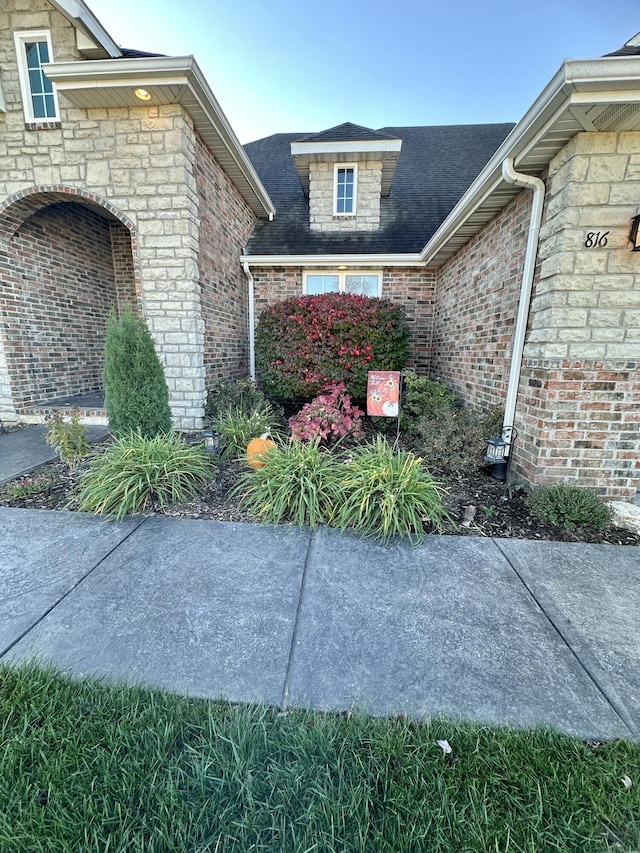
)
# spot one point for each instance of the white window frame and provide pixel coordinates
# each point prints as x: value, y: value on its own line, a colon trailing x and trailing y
x: 336, y: 168
x: 342, y: 278
x: 21, y: 39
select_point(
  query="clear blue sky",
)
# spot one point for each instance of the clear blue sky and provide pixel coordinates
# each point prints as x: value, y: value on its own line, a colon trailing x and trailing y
x: 299, y: 66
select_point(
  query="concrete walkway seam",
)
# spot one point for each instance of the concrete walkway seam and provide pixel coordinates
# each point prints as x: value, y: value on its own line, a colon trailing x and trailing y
x: 612, y: 701
x: 294, y: 636
x: 49, y: 610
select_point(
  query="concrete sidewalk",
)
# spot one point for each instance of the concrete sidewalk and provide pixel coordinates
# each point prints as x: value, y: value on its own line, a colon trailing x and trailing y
x: 25, y: 449
x: 502, y: 631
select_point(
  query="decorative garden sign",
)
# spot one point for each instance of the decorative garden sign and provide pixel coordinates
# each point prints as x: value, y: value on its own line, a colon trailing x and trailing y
x: 383, y: 393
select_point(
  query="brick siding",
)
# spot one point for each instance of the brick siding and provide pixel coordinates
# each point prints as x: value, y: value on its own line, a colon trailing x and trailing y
x: 226, y: 222
x: 57, y: 305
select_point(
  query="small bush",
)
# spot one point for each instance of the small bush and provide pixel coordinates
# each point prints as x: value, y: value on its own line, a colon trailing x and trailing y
x: 29, y: 486
x: 305, y: 343
x: 68, y: 438
x: 456, y: 440
x: 136, y: 470
x: 237, y: 428
x: 569, y: 507
x: 387, y: 493
x: 136, y: 396
x: 231, y: 395
x: 329, y: 416
x: 424, y: 398
x: 299, y: 483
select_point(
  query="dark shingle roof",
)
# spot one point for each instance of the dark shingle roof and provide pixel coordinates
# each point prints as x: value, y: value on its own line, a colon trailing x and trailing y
x: 436, y: 166
x: 346, y: 132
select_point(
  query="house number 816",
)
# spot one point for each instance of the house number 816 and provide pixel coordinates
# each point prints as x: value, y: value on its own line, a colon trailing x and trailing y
x: 596, y: 239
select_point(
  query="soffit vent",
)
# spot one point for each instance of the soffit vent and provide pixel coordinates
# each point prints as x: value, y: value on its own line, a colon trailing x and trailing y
x: 615, y: 115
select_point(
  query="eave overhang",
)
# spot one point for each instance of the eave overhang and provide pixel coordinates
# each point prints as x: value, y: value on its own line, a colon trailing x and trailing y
x: 111, y: 83
x: 599, y: 95
x: 327, y: 261
x: 388, y: 151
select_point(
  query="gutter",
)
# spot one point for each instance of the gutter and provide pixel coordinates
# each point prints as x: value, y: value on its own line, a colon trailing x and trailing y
x: 519, y: 179
x: 359, y: 261
x: 252, y: 330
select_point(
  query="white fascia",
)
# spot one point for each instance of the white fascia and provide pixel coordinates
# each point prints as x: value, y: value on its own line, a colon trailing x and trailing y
x: 81, y: 16
x: 357, y: 261
x: 372, y: 146
x: 576, y: 81
x: 148, y: 71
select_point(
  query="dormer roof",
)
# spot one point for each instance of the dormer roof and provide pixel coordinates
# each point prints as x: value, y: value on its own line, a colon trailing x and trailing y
x: 346, y: 143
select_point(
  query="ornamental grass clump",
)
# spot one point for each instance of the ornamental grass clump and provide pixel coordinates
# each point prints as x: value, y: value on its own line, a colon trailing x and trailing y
x: 136, y: 471
x: 569, y: 506
x: 304, y: 343
x: 387, y: 493
x: 328, y: 417
x: 237, y: 427
x: 299, y: 483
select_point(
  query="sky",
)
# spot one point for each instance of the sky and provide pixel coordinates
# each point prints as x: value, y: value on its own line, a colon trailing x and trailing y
x: 298, y: 66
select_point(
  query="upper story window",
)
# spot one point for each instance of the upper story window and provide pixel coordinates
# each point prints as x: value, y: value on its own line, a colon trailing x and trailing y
x: 344, y: 196
x: 360, y: 283
x: 39, y: 98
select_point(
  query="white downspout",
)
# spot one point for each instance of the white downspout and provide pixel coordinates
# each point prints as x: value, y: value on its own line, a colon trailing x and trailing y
x: 252, y: 331
x: 519, y: 179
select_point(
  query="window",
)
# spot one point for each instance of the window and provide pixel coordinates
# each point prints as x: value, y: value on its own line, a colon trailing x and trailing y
x: 39, y: 97
x: 360, y: 283
x: 344, y: 197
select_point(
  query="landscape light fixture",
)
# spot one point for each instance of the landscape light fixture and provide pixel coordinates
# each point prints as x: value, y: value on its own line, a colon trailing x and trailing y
x: 634, y: 236
x: 497, y: 454
x: 142, y: 94
x: 211, y: 441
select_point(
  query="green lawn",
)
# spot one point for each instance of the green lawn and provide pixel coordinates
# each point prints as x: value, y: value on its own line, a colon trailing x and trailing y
x: 89, y: 767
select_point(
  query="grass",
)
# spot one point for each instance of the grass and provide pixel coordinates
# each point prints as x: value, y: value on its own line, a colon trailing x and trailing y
x: 90, y: 767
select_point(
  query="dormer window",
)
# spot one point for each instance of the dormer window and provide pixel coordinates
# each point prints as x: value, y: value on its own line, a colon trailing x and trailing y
x: 345, y: 190
x: 39, y: 99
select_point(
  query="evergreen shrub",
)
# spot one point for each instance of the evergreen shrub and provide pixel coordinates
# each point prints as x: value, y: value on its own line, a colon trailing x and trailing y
x: 305, y: 343
x: 136, y: 396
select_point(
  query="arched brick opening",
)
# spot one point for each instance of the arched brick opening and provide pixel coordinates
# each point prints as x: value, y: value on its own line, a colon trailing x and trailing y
x: 66, y: 258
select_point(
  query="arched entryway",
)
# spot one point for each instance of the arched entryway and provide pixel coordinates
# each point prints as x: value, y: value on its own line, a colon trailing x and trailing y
x: 66, y: 259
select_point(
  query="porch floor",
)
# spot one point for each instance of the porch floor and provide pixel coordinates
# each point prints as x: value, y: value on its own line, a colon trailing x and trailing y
x: 91, y: 406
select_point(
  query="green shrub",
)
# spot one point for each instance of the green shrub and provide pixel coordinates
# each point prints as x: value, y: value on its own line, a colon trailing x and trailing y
x: 299, y: 483
x: 136, y: 396
x: 387, y: 493
x: 424, y: 398
x: 68, y: 438
x: 457, y: 439
x: 230, y: 395
x: 237, y: 428
x: 329, y: 416
x: 569, y: 507
x: 136, y: 470
x: 305, y: 343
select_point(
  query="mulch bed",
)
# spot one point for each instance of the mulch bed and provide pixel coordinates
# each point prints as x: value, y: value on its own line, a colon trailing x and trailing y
x: 480, y: 505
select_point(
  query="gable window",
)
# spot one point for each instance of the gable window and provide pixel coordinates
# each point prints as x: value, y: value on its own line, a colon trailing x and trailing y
x: 39, y: 98
x: 344, y: 196
x: 359, y: 283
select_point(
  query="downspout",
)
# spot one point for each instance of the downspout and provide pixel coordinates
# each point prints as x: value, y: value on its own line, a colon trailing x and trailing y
x: 252, y: 331
x: 519, y: 179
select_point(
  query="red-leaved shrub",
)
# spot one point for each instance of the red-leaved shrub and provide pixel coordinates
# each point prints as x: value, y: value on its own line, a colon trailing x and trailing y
x: 305, y: 343
x: 327, y: 417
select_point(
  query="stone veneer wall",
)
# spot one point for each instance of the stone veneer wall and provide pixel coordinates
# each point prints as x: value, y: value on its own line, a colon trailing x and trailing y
x: 412, y: 288
x: 476, y: 303
x: 226, y: 222
x: 579, y: 406
x: 368, y: 191
x: 139, y: 163
x: 57, y: 305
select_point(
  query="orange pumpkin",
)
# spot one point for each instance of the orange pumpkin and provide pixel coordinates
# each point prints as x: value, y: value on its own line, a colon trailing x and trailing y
x: 255, y: 449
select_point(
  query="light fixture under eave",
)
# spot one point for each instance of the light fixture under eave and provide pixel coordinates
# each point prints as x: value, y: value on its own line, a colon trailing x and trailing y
x: 142, y: 94
x: 634, y: 234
